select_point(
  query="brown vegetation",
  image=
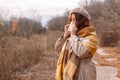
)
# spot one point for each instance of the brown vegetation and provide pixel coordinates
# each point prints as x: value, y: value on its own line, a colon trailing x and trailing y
x: 18, y: 53
x: 105, y: 18
x: 19, y: 56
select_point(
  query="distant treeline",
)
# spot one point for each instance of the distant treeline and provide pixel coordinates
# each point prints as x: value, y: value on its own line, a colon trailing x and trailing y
x: 20, y: 26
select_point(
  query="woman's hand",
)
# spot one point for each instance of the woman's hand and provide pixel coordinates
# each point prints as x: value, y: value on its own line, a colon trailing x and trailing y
x: 66, y: 33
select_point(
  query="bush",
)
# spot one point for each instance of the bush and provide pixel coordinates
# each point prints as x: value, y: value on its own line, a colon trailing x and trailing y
x: 105, y: 18
x: 109, y: 39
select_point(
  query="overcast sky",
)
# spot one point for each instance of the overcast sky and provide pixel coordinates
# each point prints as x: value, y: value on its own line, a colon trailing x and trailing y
x: 33, y: 8
x: 43, y: 7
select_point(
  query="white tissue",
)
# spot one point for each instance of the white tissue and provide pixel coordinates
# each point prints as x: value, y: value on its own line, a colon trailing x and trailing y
x: 71, y: 26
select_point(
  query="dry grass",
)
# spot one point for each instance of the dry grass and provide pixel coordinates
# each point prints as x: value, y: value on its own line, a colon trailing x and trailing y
x: 45, y: 69
x: 17, y: 54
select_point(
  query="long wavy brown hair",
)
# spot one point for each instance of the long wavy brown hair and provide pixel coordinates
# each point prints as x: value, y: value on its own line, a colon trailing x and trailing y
x: 81, y: 21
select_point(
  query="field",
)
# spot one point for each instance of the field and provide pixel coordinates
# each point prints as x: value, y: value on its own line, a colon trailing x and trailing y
x: 35, y: 58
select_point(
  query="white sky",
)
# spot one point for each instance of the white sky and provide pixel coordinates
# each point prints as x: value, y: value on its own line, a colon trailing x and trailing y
x: 31, y: 8
x: 43, y: 7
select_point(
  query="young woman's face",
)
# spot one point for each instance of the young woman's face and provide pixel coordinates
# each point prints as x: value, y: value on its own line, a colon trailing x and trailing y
x: 73, y: 18
x: 79, y: 20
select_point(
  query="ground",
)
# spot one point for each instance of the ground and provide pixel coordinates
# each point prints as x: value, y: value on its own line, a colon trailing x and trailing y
x: 105, y: 64
x: 106, y: 73
x: 45, y: 69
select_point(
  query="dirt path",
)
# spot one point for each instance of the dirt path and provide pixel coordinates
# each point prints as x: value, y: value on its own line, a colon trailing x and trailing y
x: 106, y: 73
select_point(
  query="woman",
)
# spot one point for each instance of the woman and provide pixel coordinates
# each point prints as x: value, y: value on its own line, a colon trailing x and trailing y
x: 77, y: 47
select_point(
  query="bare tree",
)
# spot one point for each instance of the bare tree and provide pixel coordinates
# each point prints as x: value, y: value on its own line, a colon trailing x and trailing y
x: 106, y: 20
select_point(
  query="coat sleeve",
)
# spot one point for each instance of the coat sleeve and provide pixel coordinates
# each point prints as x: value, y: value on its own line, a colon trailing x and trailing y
x: 59, y: 44
x: 78, y: 48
